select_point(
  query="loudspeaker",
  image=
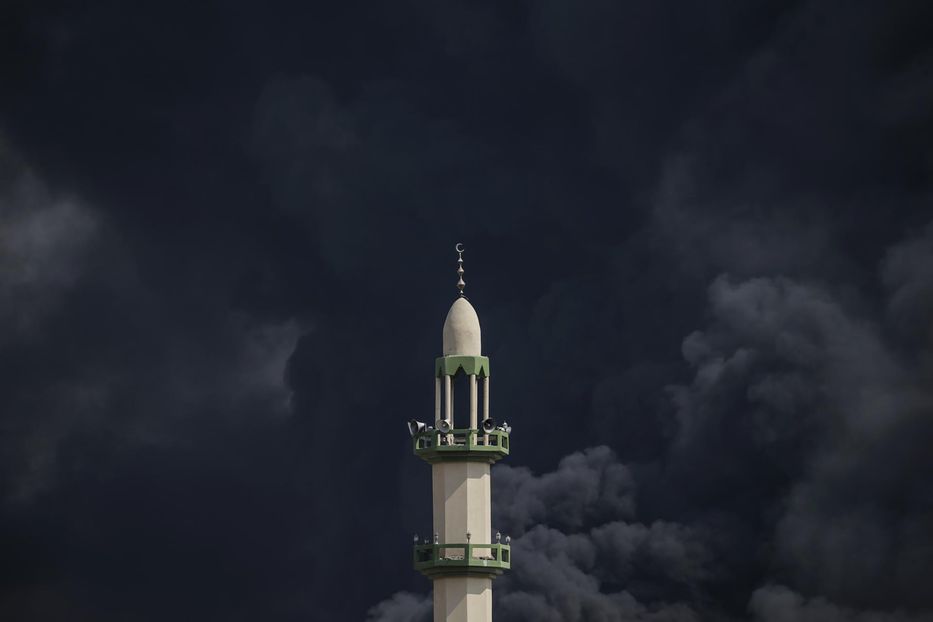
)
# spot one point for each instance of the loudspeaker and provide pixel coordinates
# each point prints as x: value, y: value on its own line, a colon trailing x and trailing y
x: 416, y: 427
x: 443, y: 426
x: 489, y: 425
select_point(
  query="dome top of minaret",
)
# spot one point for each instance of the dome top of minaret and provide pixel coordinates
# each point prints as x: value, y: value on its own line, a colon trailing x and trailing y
x: 461, y: 328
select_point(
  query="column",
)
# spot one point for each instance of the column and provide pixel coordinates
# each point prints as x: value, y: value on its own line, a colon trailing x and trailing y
x: 473, y: 422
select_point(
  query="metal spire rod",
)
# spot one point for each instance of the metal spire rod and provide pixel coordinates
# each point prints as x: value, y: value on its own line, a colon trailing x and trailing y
x: 460, y: 283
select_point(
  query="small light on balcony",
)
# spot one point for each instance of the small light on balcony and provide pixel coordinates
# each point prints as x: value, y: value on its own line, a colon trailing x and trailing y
x: 508, y: 540
x: 416, y: 538
x: 498, y: 537
x: 468, y: 536
x: 437, y: 539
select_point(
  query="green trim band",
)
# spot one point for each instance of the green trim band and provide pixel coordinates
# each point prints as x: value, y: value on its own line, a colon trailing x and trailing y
x: 461, y: 446
x: 471, y: 366
x: 488, y: 560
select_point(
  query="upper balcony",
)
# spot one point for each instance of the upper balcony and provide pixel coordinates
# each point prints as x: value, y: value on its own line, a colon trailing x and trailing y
x: 461, y: 445
x: 462, y: 559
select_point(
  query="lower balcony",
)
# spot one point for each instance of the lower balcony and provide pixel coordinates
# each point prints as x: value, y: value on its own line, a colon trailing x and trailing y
x: 434, y: 560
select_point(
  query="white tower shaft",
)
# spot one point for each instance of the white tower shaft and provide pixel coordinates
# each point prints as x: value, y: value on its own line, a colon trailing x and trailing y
x: 461, y: 506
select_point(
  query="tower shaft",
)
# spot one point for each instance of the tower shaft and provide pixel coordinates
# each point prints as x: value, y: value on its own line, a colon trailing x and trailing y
x: 462, y: 505
x: 462, y: 599
x: 462, y: 501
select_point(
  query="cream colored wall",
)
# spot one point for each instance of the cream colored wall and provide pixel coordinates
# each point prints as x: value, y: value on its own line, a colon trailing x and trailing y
x: 462, y: 504
x: 462, y: 599
x: 462, y: 501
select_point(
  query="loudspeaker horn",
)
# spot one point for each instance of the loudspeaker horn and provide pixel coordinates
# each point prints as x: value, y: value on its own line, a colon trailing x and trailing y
x: 489, y: 425
x: 443, y: 426
x: 416, y: 427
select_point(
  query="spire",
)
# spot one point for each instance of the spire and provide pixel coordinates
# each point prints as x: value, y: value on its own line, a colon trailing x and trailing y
x: 460, y: 283
x: 461, y: 328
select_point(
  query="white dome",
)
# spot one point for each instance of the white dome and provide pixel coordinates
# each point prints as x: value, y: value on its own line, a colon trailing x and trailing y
x: 461, y: 330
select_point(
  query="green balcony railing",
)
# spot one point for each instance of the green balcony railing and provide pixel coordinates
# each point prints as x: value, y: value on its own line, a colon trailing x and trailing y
x: 459, y: 559
x: 472, y: 445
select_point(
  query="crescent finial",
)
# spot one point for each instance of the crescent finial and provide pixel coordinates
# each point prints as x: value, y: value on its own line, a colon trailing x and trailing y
x: 460, y: 283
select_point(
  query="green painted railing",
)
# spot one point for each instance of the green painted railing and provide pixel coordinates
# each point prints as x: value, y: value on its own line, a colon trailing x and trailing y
x: 464, y: 444
x: 459, y: 559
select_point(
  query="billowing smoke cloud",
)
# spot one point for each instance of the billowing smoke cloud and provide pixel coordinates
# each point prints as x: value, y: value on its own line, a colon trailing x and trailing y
x: 586, y: 488
x: 811, y: 395
x: 403, y: 607
x: 43, y: 242
x: 59, y: 255
x: 775, y: 603
x: 907, y: 274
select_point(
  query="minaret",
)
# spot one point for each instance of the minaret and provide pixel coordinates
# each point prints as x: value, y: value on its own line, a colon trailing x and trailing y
x: 463, y: 555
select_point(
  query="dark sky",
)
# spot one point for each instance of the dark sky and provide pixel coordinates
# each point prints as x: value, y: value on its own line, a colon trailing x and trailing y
x: 699, y: 237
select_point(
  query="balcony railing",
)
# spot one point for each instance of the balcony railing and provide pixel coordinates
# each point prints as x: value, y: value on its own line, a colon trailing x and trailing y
x: 460, y: 559
x: 436, y: 446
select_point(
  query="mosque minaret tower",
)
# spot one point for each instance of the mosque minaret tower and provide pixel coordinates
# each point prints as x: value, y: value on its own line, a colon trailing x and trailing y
x: 462, y: 555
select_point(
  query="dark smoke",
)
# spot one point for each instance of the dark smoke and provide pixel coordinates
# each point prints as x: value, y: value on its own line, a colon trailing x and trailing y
x: 698, y: 237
